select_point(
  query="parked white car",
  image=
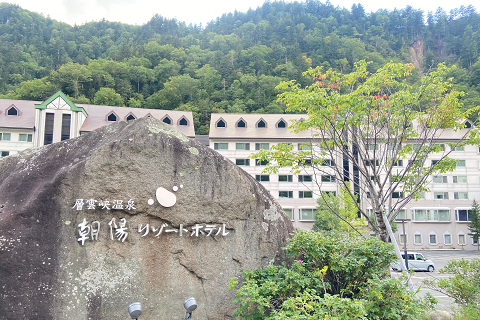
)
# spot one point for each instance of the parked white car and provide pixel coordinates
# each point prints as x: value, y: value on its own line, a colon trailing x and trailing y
x: 416, y: 261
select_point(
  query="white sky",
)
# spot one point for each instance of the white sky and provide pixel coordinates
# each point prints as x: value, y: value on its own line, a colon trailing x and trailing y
x: 191, y: 11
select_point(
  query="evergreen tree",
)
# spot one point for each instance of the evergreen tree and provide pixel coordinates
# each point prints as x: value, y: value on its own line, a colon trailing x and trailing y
x: 474, y: 223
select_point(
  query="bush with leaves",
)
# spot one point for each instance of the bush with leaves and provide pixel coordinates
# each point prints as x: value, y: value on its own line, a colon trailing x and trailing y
x: 333, y: 277
x: 463, y: 286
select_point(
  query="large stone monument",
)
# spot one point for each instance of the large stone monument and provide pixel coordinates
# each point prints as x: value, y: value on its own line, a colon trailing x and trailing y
x: 132, y: 212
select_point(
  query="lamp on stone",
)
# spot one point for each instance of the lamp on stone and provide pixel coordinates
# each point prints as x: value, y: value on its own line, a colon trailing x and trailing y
x: 190, y: 305
x: 135, y: 310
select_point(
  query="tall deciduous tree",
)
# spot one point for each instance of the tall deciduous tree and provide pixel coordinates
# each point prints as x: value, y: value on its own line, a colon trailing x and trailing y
x: 377, y: 131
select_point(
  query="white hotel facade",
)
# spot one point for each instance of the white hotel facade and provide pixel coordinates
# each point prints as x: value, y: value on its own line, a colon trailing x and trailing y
x: 437, y: 222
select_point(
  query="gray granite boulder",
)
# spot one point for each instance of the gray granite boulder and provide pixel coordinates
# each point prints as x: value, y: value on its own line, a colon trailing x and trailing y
x: 132, y: 212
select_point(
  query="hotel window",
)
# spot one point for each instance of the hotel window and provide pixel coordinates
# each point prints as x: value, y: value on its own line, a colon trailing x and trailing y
x: 305, y: 194
x: 402, y: 238
x: 12, y: 111
x: 440, y: 147
x: 242, y: 162
x: 434, y: 163
x: 440, y: 195
x: 398, y: 163
x: 48, y: 136
x: 440, y: 215
x: 462, y: 239
x: 242, y: 146
x: 417, y: 238
x: 262, y: 178
x: 402, y: 214
x: 461, y: 163
x: 285, y: 178
x: 305, y: 178
x: 372, y: 147
x: 462, y: 215
x: 328, y: 178
x: 241, y: 124
x: 261, y: 124
x: 4, y: 153
x: 66, y: 120
x: 290, y: 213
x: 112, y: 117
x: 460, y: 195
x: 260, y: 162
x: 221, y: 124
x: 24, y: 137
x: 5, y: 136
x: 459, y: 148
x: 447, y: 238
x: 372, y: 162
x: 304, y: 146
x: 306, y: 214
x: 398, y: 195
x: 459, y: 179
x: 167, y: 120
x: 281, y: 124
x: 285, y: 194
x: 327, y: 162
x: 130, y: 117
x: 432, y: 239
x: 220, y: 146
x: 439, y: 179
x: 183, y: 122
x: 262, y: 146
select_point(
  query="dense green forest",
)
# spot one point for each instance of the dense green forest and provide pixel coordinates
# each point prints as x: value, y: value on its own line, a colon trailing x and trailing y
x: 234, y: 63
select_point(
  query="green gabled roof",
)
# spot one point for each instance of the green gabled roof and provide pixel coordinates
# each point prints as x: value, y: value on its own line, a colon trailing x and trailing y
x: 60, y: 94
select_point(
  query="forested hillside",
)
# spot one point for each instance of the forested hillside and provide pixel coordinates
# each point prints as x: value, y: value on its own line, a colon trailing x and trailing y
x: 231, y: 65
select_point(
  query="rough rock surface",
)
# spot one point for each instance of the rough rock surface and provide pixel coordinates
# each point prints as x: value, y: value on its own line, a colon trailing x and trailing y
x: 46, y: 273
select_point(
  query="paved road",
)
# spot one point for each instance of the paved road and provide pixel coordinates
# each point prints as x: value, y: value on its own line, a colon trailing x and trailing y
x: 440, y: 258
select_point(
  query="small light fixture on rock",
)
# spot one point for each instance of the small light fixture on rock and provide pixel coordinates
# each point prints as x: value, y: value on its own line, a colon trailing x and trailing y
x: 190, y: 305
x: 135, y: 310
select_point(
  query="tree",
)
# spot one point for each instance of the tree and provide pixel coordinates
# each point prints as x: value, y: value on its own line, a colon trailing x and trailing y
x: 338, y: 213
x: 72, y: 75
x: 333, y: 277
x: 364, y: 125
x: 108, y: 97
x: 474, y: 224
x: 463, y: 286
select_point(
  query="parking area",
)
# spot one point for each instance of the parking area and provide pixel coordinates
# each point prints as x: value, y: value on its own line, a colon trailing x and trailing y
x: 440, y: 258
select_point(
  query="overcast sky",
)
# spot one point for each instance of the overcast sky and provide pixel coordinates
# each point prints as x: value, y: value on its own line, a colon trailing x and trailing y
x: 191, y: 11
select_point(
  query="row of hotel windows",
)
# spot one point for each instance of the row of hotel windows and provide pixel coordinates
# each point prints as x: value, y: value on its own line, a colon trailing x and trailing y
x: 301, y: 146
x: 436, y: 195
x: 433, y: 239
x: 113, y: 117
x: 432, y: 215
x: 289, y: 178
x: 22, y: 137
x: 258, y: 146
x: 243, y: 124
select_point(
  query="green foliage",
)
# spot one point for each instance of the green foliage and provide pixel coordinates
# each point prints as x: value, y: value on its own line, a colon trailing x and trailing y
x: 463, y: 286
x: 375, y: 120
x: 474, y: 224
x: 333, y: 277
x: 108, y: 97
x: 247, y: 53
x: 338, y: 213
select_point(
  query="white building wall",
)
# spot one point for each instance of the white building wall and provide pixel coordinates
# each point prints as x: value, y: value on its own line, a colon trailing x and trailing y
x: 14, y: 145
